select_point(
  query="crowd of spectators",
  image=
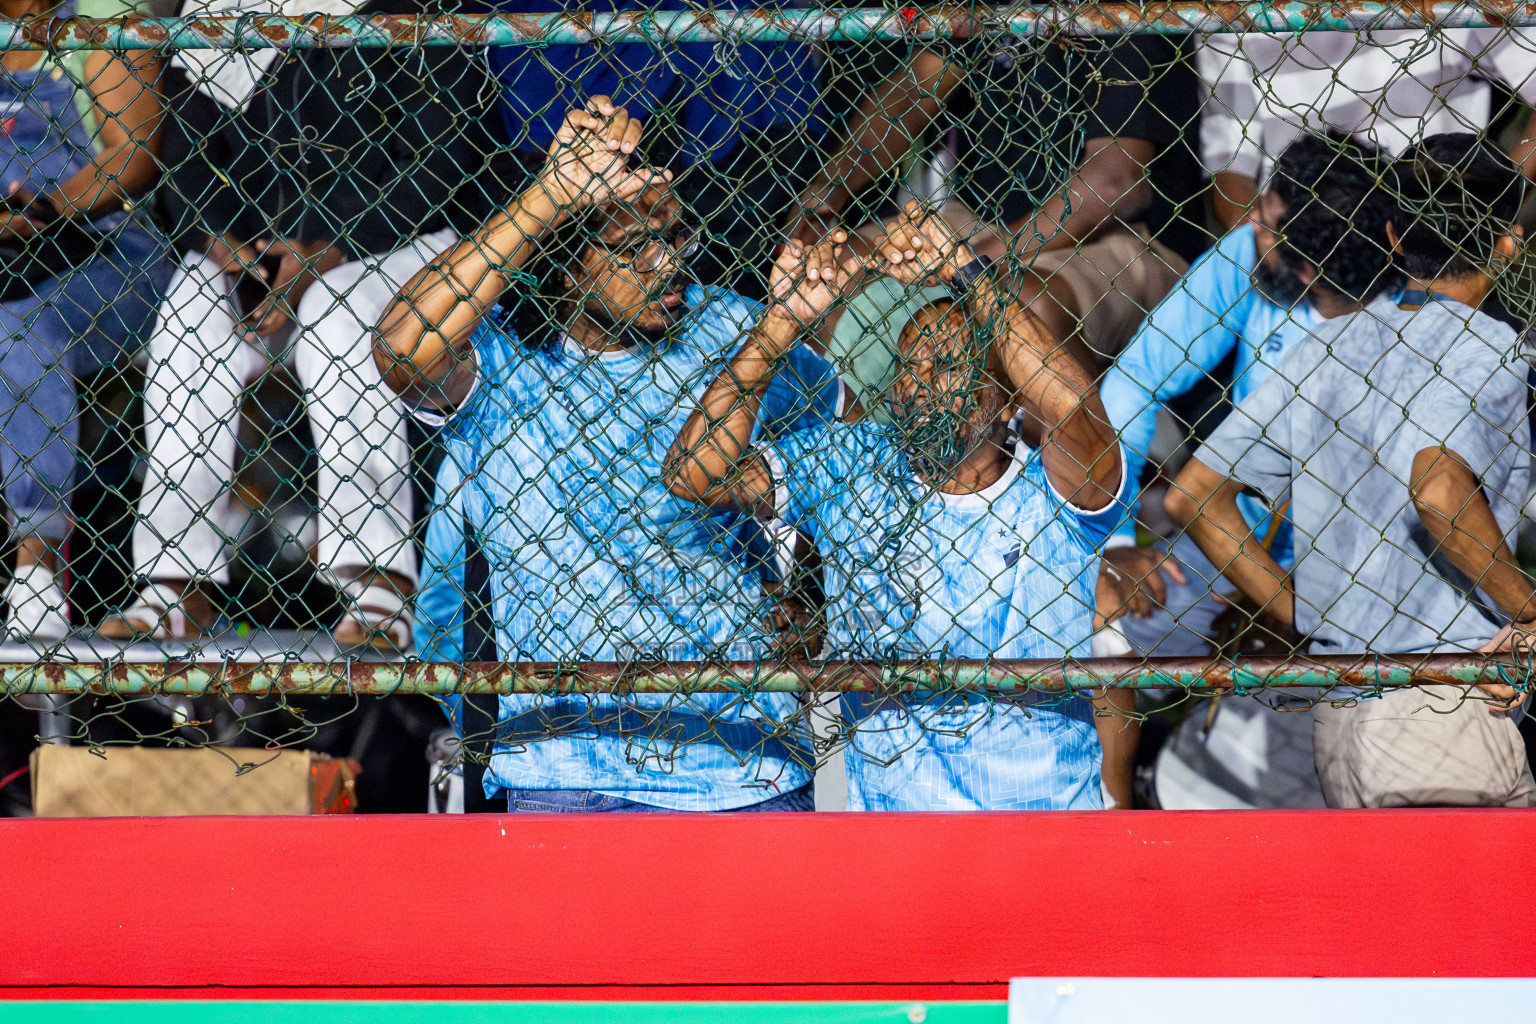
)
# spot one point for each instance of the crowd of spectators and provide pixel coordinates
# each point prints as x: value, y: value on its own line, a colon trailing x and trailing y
x: 701, y: 382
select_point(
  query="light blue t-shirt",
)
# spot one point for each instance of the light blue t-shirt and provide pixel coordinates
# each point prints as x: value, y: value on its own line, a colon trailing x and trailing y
x: 910, y: 572
x: 591, y: 558
x: 1213, y: 310
x: 1336, y: 429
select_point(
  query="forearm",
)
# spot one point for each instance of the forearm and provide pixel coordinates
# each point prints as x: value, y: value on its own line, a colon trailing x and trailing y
x: 130, y: 114
x: 889, y: 121
x: 114, y: 176
x: 428, y: 325
x: 1457, y: 517
x: 1213, y: 521
x: 1111, y: 183
x: 705, y: 462
x: 1080, y: 452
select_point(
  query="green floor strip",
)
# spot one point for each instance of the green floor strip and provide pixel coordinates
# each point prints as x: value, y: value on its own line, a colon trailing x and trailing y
x: 175, y: 1011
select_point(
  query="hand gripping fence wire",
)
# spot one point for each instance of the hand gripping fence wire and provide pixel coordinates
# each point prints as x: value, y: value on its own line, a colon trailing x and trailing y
x: 668, y: 442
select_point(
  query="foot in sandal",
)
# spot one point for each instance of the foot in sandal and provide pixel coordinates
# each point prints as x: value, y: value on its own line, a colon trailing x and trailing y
x: 377, y: 617
x: 162, y: 611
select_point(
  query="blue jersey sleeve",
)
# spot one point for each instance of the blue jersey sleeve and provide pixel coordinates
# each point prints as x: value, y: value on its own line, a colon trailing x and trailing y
x: 804, y: 393
x: 1095, y: 526
x: 809, y: 468
x: 1184, y: 339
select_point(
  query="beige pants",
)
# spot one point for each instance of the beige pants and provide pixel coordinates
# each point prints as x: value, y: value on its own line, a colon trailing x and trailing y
x: 1111, y: 283
x: 1115, y: 280
x: 1425, y: 746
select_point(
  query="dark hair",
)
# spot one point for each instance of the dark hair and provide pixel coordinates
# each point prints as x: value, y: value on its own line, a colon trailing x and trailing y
x: 535, y: 295
x: 1336, y: 213
x: 1457, y: 196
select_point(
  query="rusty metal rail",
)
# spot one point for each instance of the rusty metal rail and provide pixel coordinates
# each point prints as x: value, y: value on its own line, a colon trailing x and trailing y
x: 375, y: 679
x: 727, y: 26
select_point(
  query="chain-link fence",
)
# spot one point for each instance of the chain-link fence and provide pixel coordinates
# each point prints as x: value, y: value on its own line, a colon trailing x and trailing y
x: 1006, y: 407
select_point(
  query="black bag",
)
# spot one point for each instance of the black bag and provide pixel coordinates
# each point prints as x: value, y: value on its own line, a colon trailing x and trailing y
x: 57, y: 247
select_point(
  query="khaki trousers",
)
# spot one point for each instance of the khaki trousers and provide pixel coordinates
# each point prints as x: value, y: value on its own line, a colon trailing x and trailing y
x: 1424, y: 746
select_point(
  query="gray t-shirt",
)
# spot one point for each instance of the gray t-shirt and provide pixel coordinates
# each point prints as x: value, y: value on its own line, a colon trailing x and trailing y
x: 1335, y: 429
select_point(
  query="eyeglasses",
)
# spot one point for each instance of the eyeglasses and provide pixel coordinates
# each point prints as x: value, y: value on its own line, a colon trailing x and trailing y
x: 647, y: 252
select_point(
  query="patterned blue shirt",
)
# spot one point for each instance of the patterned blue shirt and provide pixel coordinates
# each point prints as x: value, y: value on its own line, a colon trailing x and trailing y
x: 1214, y: 310
x: 591, y: 558
x: 1007, y: 572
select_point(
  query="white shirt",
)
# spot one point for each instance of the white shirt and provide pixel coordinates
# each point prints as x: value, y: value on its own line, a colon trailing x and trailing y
x: 1390, y: 87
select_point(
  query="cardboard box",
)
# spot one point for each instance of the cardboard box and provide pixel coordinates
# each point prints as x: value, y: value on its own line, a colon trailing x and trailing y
x: 81, y: 782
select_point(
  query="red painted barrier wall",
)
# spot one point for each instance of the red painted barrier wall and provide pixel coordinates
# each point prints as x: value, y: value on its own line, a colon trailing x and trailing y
x: 753, y: 906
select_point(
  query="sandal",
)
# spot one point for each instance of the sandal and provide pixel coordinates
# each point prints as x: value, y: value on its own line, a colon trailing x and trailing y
x: 156, y: 614
x: 378, y: 619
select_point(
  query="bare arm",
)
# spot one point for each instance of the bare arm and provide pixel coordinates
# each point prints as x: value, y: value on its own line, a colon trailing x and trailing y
x: 422, y: 341
x: 710, y: 462
x: 124, y: 89
x: 1205, y: 503
x: 890, y: 119
x: 1232, y: 196
x: 1079, y: 448
x: 1081, y: 453
x: 1111, y: 182
x: 421, y: 346
x: 1454, y: 510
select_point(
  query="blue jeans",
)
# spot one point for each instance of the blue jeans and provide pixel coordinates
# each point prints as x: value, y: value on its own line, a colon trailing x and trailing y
x: 73, y: 324
x: 578, y: 801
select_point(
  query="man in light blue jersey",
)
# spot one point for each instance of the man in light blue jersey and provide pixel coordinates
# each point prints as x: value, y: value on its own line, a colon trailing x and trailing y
x: 1314, y: 248
x: 942, y: 535
x: 558, y: 430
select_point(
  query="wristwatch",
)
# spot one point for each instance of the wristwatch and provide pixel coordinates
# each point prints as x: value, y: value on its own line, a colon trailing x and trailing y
x: 966, y: 277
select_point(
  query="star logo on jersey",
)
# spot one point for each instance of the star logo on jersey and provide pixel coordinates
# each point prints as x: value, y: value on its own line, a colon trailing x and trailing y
x: 1014, y: 552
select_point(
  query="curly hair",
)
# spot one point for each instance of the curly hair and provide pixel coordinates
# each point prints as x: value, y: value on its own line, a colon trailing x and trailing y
x: 1457, y: 196
x: 1336, y: 213
x: 543, y: 286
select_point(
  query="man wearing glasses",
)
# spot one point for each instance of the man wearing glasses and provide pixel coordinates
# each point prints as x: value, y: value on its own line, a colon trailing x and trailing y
x: 559, y: 411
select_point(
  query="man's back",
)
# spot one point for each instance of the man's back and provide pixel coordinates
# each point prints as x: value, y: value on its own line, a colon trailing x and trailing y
x: 1335, y: 430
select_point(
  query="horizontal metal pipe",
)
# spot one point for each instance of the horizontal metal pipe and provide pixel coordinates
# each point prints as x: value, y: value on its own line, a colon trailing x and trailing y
x: 374, y: 679
x: 802, y: 24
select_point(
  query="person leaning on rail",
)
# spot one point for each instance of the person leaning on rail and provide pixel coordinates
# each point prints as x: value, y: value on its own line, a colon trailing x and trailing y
x: 1400, y: 437
x: 558, y: 414
x: 943, y: 534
